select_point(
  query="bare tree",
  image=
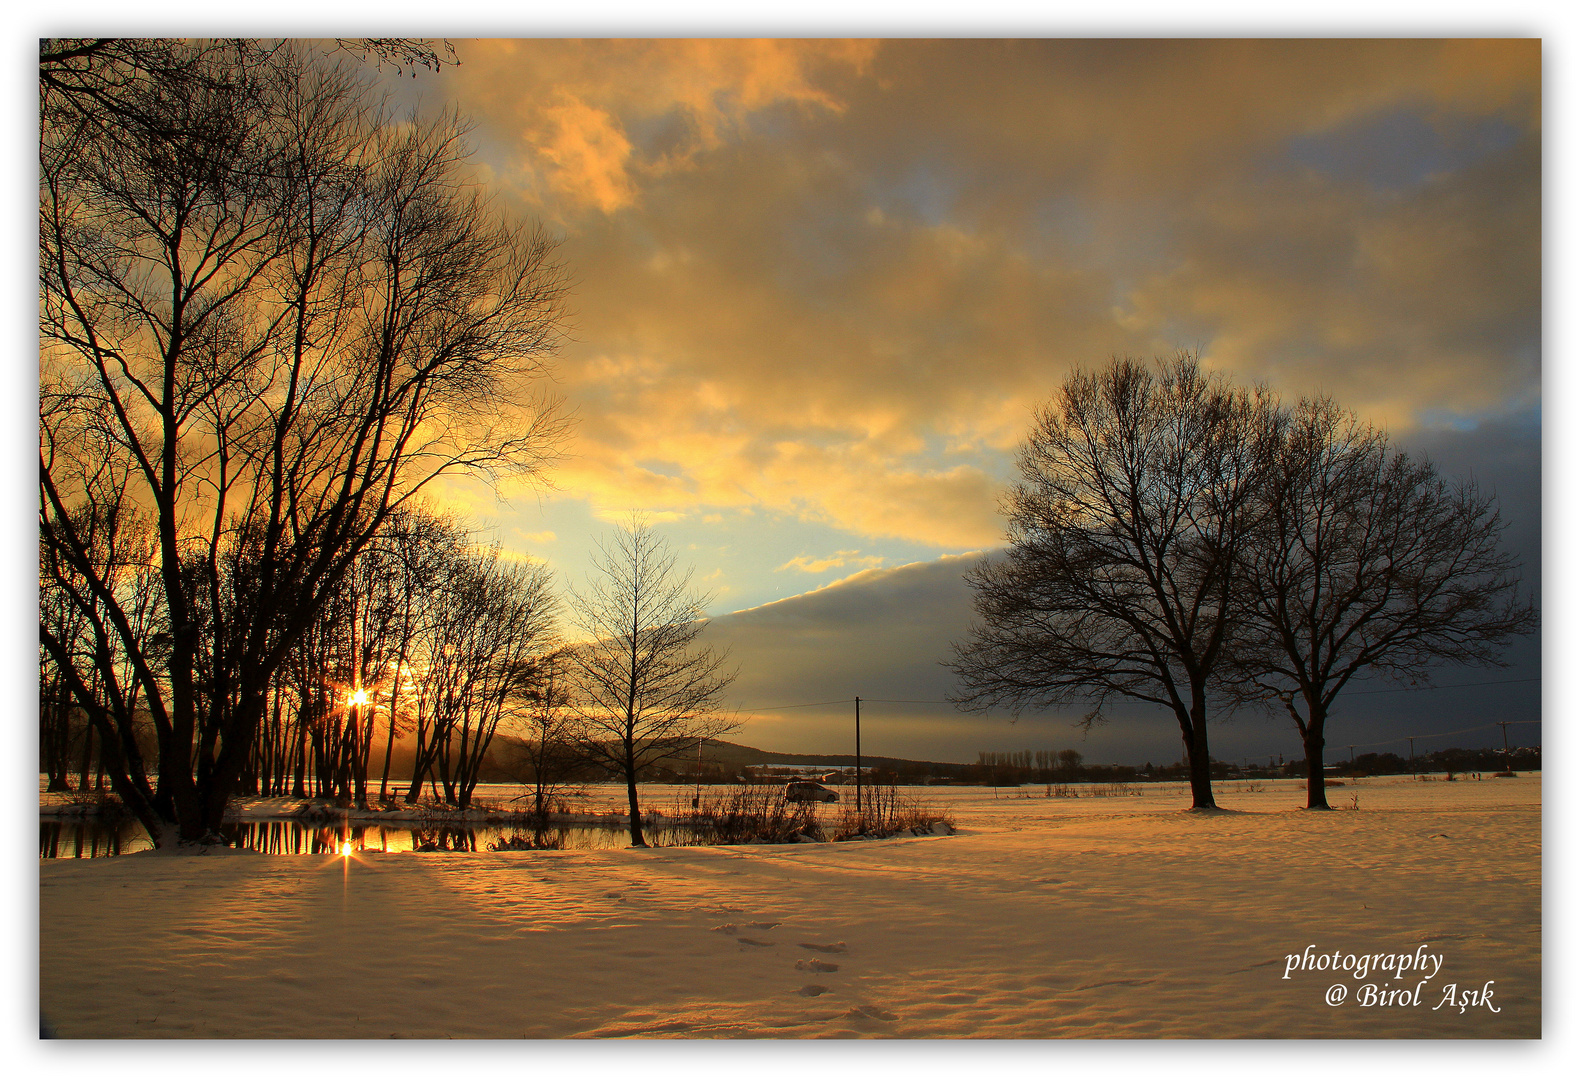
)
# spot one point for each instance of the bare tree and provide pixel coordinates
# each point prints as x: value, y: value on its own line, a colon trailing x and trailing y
x: 420, y: 544
x: 642, y: 689
x: 1366, y: 561
x: 1137, y: 492
x: 484, y: 659
x: 546, y: 755
x: 284, y: 316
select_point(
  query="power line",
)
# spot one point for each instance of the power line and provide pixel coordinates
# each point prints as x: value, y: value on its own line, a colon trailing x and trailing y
x: 1445, y: 734
x: 1445, y: 686
x: 846, y: 701
x: 1407, y: 738
x: 1353, y: 693
x: 803, y: 705
x: 1384, y: 742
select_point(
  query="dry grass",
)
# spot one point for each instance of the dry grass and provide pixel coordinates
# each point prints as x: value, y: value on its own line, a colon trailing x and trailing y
x: 885, y: 812
x: 751, y: 814
x: 761, y: 815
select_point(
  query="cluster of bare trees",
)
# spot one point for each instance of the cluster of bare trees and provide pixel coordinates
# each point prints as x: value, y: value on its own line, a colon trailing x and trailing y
x: 1178, y: 540
x: 1041, y: 765
x: 271, y: 316
x: 427, y: 636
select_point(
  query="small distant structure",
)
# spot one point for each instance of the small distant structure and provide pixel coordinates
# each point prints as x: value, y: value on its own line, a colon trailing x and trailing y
x: 784, y: 773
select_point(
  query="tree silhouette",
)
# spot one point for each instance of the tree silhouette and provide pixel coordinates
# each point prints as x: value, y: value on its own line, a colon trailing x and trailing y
x: 640, y: 686
x: 1138, y: 491
x: 272, y: 316
x: 1366, y: 560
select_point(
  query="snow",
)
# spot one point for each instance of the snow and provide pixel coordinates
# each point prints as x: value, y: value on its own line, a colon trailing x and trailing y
x: 1116, y: 917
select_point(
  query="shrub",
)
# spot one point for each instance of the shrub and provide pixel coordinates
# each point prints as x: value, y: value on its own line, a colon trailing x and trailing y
x: 885, y: 812
x: 754, y: 815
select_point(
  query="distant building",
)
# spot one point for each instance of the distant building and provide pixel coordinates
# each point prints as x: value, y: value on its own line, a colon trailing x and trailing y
x: 828, y: 774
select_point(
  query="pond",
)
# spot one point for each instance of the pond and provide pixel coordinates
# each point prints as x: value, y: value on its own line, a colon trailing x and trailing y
x: 93, y: 839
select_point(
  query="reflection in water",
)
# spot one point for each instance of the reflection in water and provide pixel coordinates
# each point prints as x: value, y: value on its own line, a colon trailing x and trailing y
x: 90, y: 839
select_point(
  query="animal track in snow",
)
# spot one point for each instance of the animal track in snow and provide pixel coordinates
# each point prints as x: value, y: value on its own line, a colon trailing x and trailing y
x: 812, y: 990
x: 872, y: 1012
x: 837, y: 947
x: 816, y: 965
x: 754, y: 941
x: 732, y: 928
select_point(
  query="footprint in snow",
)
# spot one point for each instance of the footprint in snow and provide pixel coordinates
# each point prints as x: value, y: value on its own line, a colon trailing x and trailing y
x: 837, y: 947
x: 816, y: 965
x: 872, y: 1012
x: 754, y: 941
x: 812, y: 990
x: 731, y: 928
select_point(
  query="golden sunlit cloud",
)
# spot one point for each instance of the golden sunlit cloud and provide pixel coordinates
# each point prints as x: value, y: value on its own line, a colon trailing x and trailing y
x: 830, y: 280
x: 837, y: 560
x: 589, y: 154
x: 578, y: 104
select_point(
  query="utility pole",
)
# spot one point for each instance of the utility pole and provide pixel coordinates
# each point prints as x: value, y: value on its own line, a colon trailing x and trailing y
x: 1413, y: 756
x: 697, y: 796
x: 1352, y: 756
x: 859, y: 828
x: 1504, y: 725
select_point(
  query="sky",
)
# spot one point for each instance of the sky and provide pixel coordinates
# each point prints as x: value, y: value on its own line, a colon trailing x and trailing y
x: 820, y: 285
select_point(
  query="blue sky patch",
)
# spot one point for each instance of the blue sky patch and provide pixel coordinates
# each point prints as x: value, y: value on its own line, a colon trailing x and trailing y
x: 1400, y: 149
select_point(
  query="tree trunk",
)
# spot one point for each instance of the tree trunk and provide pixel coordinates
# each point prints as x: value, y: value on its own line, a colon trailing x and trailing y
x: 1194, y: 731
x: 299, y: 775
x: 389, y: 743
x: 1317, y: 797
x: 631, y: 799
x: 422, y: 758
x: 1201, y: 775
x: 87, y: 758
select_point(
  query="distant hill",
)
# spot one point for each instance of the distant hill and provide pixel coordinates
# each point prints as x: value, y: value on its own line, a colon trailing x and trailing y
x: 735, y: 756
x: 730, y: 758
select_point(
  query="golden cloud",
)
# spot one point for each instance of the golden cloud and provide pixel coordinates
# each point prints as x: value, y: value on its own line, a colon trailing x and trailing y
x: 839, y: 559
x: 576, y: 104
x: 831, y: 279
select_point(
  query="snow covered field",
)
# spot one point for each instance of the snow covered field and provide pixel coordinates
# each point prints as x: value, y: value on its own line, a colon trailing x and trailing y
x: 1114, y: 917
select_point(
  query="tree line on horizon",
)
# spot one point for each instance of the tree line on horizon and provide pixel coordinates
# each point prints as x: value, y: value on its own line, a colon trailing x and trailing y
x: 272, y: 316
x: 1180, y: 540
x: 999, y: 768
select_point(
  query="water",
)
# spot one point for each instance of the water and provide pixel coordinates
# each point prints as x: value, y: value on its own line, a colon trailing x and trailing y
x: 95, y: 839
